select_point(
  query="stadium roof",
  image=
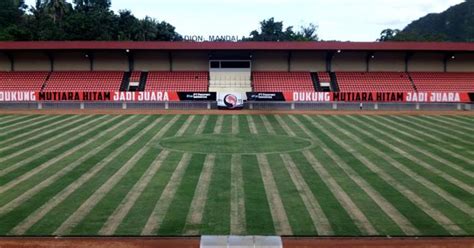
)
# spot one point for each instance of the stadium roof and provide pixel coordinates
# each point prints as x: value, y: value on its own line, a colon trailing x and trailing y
x: 314, y: 46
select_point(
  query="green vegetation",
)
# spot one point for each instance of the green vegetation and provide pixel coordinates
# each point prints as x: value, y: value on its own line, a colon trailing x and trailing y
x: 258, y: 175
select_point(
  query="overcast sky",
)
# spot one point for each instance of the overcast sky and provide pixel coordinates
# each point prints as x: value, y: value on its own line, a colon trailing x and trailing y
x: 355, y: 20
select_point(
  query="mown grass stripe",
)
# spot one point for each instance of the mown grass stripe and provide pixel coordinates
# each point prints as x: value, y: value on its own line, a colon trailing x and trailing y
x: 210, y: 125
x: 194, y: 125
x: 43, y: 166
x: 244, y: 129
x: 235, y: 124
x: 219, y: 123
x: 441, y: 145
x: 34, y: 123
x: 91, y: 202
x: 357, y: 216
x: 280, y: 219
x: 186, y: 125
x: 402, y: 167
x: 458, y: 120
x: 285, y: 126
x: 127, y: 203
x: 267, y: 124
x: 218, y: 198
x: 162, y: 205
x: 4, y: 118
x: 20, y: 161
x: 40, y: 212
x: 420, y: 150
x: 237, y: 212
x: 17, y: 136
x: 392, y: 211
x: 252, y: 126
x: 202, y: 124
x: 320, y: 221
x: 18, y: 121
x: 29, y: 144
x: 448, y: 123
x: 196, y: 211
x: 439, y: 129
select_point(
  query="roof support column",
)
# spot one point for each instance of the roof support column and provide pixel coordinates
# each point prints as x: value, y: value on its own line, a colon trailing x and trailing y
x: 329, y: 58
x: 51, y: 61
x: 370, y: 56
x: 408, y: 57
x: 446, y: 59
x: 170, y: 58
x: 12, y: 61
x: 290, y: 55
x: 131, y: 60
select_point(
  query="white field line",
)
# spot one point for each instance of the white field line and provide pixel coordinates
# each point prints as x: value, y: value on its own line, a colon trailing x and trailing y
x: 48, y: 163
x: 235, y: 124
x: 252, y: 127
x: 285, y: 126
x: 280, y: 219
x: 41, y: 143
x: 435, y: 145
x: 99, y: 194
x: 438, y: 132
x: 219, y: 123
x: 161, y: 208
x: 116, y: 218
x: 419, y: 150
x: 34, y: 122
x: 396, y: 216
x: 359, y: 218
x: 383, y: 203
x: 24, y: 119
x: 37, y: 131
x: 202, y: 124
x: 450, y: 122
x: 238, y: 221
x: 405, y: 169
x: 320, y: 221
x: 267, y: 124
x: 48, y: 149
x: 185, y: 126
x: 48, y: 181
x: 196, y: 210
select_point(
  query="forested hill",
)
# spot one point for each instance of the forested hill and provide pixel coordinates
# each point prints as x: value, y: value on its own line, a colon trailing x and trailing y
x: 454, y: 24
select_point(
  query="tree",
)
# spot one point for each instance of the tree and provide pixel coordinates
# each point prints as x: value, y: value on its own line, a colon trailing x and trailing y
x: 270, y: 30
x: 388, y: 34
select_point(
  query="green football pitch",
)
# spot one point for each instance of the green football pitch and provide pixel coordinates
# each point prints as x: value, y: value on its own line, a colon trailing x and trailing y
x: 185, y: 175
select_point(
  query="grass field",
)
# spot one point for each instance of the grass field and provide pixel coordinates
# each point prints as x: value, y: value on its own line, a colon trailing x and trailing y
x: 244, y: 174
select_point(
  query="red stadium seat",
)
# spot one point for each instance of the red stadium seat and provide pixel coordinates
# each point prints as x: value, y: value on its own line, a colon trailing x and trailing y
x: 443, y: 81
x: 177, y: 81
x: 85, y: 81
x: 282, y: 81
x: 374, y: 82
x: 22, y: 81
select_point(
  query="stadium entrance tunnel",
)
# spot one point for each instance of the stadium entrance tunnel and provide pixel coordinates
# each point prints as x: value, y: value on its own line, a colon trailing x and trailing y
x: 236, y: 143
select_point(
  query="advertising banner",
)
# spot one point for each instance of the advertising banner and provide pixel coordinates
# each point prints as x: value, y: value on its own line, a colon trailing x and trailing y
x: 265, y: 96
x: 230, y: 100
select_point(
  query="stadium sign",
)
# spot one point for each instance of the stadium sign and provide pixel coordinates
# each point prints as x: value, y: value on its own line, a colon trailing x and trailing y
x: 211, y: 38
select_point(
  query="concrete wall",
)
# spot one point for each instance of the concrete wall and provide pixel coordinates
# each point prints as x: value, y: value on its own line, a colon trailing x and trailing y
x: 190, y: 61
x: 71, y: 61
x: 31, y: 61
x: 151, y: 61
x: 308, y: 61
x: 461, y: 63
x: 270, y: 61
x: 110, y: 61
x: 349, y: 61
x: 4, y: 63
x: 429, y: 62
x: 387, y: 62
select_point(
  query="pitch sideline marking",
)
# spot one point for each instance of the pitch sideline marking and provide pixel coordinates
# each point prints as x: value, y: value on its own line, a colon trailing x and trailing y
x: 320, y: 221
x: 162, y: 205
x: 238, y: 221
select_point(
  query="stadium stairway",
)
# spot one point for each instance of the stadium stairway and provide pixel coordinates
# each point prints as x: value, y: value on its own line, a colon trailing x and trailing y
x: 143, y: 79
x: 412, y: 82
x: 125, y: 81
x: 316, y: 81
x: 334, y: 84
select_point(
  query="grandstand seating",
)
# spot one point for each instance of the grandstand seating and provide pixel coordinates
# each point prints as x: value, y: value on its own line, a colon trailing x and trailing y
x: 324, y: 77
x: 84, y: 81
x: 22, y: 81
x: 135, y: 76
x: 374, y: 82
x: 282, y: 81
x: 177, y: 81
x: 443, y: 81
